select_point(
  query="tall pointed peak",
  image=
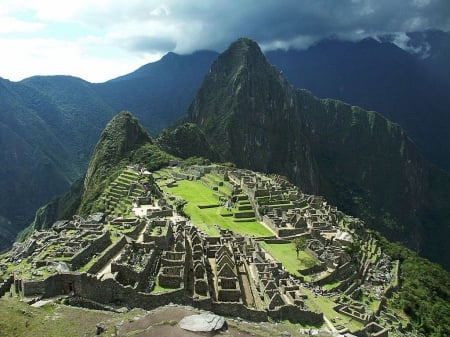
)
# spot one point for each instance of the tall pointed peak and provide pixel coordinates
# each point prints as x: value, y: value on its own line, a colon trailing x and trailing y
x: 244, y: 46
x: 241, y: 72
x: 240, y: 53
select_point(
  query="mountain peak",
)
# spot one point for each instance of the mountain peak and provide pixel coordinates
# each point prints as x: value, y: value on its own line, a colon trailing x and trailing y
x: 241, y: 51
x: 244, y: 43
x: 245, y: 106
x: 120, y: 136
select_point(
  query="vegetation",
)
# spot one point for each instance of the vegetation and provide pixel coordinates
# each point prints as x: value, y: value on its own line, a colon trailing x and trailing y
x: 300, y: 244
x: 368, y: 181
x: 123, y: 142
x: 424, y: 293
x: 357, y: 159
x: 22, y: 320
x: 185, y: 141
x: 284, y: 252
x: 206, y: 218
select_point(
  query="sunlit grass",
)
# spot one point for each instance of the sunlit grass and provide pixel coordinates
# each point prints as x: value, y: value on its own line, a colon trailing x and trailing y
x: 286, y: 254
x: 197, y: 194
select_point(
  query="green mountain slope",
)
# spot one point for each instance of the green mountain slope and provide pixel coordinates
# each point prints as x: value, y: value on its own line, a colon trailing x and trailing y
x: 360, y: 161
x: 121, y: 135
x: 50, y: 125
x: 36, y: 164
x: 186, y: 140
x: 123, y: 142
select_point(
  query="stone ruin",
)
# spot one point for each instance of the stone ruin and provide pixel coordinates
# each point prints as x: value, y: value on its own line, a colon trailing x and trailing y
x: 229, y: 274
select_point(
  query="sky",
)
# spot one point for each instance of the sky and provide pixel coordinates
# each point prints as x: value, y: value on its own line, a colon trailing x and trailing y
x: 98, y: 40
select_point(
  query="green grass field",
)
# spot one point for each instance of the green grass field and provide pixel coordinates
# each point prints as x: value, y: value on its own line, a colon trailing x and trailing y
x: 20, y: 319
x: 286, y: 254
x: 197, y: 194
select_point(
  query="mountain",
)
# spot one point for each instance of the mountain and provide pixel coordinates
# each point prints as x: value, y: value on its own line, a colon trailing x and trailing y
x: 159, y: 93
x: 409, y: 86
x: 357, y: 159
x: 121, y: 135
x: 413, y: 292
x: 50, y: 125
x: 432, y: 47
x: 185, y: 141
x: 123, y: 142
x: 39, y: 152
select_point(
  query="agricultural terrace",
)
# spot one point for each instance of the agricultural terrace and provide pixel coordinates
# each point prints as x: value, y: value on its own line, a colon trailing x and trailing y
x: 205, y: 211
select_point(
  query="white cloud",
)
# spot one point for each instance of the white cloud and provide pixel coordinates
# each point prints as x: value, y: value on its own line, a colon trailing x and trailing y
x: 130, y: 33
x: 56, y: 57
x: 13, y: 25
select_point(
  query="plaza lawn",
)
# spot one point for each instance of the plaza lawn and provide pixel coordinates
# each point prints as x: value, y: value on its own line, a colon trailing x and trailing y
x: 286, y: 254
x: 197, y: 194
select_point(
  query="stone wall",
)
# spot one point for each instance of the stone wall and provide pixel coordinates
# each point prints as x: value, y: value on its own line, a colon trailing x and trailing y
x: 317, y: 268
x: 229, y: 295
x: 55, y: 285
x: 239, y: 310
x: 98, y: 245
x: 30, y: 288
x: 109, y: 291
x: 128, y: 275
x: 296, y: 315
x: 137, y: 229
x: 5, y: 285
x: 286, y: 231
x: 107, y: 255
x: 171, y: 280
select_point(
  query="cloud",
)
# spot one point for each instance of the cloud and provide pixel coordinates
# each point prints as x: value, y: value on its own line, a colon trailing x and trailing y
x: 139, y: 30
x: 13, y: 25
x: 23, y: 58
x: 149, y: 44
x: 193, y: 25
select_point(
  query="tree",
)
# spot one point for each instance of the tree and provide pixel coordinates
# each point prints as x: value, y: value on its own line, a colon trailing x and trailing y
x: 300, y: 244
x: 179, y: 206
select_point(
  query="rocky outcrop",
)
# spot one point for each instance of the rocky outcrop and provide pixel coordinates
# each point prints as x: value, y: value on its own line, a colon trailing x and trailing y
x: 202, y: 322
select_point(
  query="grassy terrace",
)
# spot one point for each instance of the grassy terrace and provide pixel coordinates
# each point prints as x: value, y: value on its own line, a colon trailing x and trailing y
x: 286, y: 254
x: 326, y: 305
x: 197, y: 194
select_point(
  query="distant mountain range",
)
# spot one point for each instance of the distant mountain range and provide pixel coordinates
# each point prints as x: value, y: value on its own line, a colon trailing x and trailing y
x: 411, y: 89
x: 50, y: 124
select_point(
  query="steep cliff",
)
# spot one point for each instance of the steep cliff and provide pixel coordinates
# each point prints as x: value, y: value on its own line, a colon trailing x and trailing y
x: 186, y: 140
x: 250, y: 114
x: 359, y: 160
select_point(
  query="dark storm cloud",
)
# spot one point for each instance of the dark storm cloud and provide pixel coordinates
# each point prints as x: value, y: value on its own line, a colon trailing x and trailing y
x: 191, y: 24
